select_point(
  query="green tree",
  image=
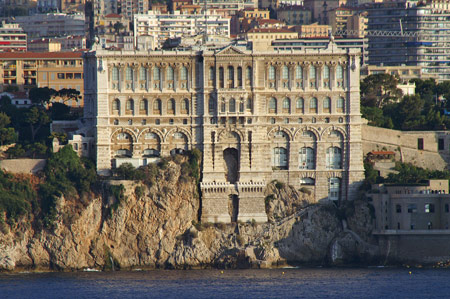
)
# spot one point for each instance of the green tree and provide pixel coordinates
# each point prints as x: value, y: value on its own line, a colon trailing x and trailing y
x: 379, y: 89
x: 41, y: 95
x: 60, y: 111
x: 376, y: 118
x: 37, y: 149
x: 118, y: 27
x: 7, y: 136
x: 16, y: 151
x: 36, y: 118
x: 67, y: 94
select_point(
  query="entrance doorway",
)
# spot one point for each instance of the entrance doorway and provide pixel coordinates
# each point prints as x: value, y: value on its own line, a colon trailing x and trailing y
x: 231, y: 165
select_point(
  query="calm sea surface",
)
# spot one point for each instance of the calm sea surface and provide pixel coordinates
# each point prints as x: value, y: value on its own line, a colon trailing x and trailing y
x: 278, y: 283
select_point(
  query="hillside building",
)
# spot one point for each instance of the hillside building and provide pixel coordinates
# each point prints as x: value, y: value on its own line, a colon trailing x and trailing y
x: 257, y: 116
x: 55, y: 70
x: 12, y: 38
x: 424, y: 42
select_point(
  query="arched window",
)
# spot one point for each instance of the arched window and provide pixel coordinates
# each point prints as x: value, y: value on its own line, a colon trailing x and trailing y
x: 171, y: 106
x: 307, y: 181
x: 183, y: 73
x: 130, y: 105
x: 339, y: 72
x: 156, y: 74
x: 300, y: 104
x: 129, y: 74
x: 312, y: 72
x: 230, y: 73
x: 143, y: 106
x: 280, y: 158
x: 223, y: 106
x: 143, y: 74
x: 326, y: 105
x: 221, y: 77
x: 249, y: 104
x: 157, y: 106
x: 116, y: 106
x: 211, y: 105
x: 286, y: 105
x: 299, y: 73
x: 334, y: 158
x: 232, y: 106
x: 241, y: 106
x: 211, y: 73
x: 340, y: 105
x: 185, y: 106
x: 249, y: 73
x: 306, y: 158
x: 239, y: 74
x: 115, y: 74
x: 313, y: 105
x: 285, y: 73
x: 334, y: 187
x: 169, y: 74
x: 273, y: 105
x: 326, y: 72
x: 271, y: 72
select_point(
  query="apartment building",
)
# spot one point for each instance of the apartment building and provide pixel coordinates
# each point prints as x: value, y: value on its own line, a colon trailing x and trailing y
x: 54, y: 70
x: 294, y: 15
x: 227, y: 8
x: 165, y: 26
x: 12, y: 38
x: 52, y: 25
x: 418, y: 35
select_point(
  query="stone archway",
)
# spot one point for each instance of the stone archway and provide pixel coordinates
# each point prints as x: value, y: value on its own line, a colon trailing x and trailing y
x: 231, y: 164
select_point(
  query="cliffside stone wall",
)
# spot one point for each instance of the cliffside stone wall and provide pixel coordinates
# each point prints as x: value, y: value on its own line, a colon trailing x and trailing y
x: 23, y: 165
x: 434, y: 155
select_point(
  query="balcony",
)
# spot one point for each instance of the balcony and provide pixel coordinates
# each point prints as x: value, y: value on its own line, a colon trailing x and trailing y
x: 9, y: 67
x: 29, y: 66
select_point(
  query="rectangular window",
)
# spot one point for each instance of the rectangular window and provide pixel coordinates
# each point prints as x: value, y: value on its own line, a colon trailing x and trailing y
x: 61, y: 75
x: 412, y: 208
x: 69, y: 76
x: 53, y: 76
x: 441, y: 144
x: 78, y: 76
x: 420, y: 143
x: 44, y: 76
x: 429, y: 208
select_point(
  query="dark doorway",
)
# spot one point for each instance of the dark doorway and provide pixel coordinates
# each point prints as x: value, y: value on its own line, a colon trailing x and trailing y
x: 231, y: 158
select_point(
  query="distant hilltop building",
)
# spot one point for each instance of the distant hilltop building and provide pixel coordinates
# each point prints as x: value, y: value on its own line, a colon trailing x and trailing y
x: 421, y: 37
x: 257, y: 116
x: 12, y: 38
x: 163, y: 26
x: 52, y: 25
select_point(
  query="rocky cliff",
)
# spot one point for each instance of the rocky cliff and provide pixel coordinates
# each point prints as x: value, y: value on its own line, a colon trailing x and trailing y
x: 155, y: 226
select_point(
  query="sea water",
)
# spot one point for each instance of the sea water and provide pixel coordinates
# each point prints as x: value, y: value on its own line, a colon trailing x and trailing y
x: 276, y: 283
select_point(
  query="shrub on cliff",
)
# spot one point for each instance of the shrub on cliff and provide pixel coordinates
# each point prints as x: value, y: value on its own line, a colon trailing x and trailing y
x: 16, y: 196
x: 65, y: 174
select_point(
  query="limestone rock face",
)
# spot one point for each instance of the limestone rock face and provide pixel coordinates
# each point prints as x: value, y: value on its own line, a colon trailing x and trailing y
x: 157, y: 228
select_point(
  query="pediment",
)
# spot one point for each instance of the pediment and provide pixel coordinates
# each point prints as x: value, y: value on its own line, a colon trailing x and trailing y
x: 230, y: 50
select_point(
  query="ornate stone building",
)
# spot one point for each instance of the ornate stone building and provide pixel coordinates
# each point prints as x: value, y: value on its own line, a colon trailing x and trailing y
x: 257, y: 116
